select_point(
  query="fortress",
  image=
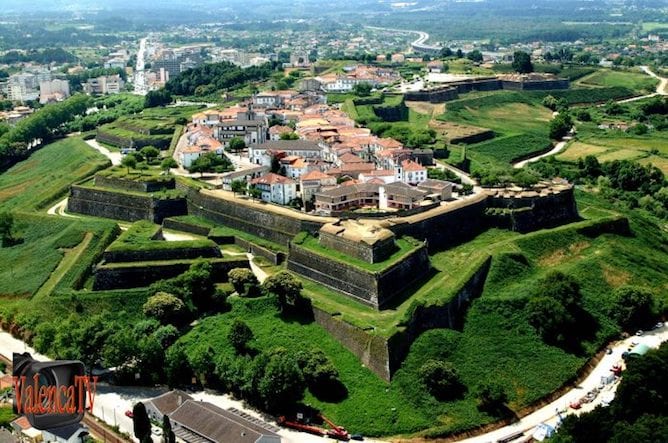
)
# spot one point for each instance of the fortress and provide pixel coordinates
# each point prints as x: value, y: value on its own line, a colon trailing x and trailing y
x: 448, y: 91
x: 369, y: 260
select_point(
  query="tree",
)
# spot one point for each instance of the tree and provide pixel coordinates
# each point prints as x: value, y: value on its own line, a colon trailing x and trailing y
x: 167, y: 433
x: 522, y: 62
x: 201, y: 164
x: 129, y: 161
x: 239, y: 336
x: 168, y: 164
x: 177, y: 367
x: 140, y: 422
x: 562, y: 288
x: 632, y: 307
x: 549, y: 317
x: 161, y: 97
x: 491, y: 398
x: 550, y: 102
x: 440, y: 379
x: 289, y: 136
x: 150, y: 153
x: 242, y: 279
x: 459, y: 53
x: 362, y: 89
x: 282, y: 383
x: 236, y: 144
x: 254, y: 192
x: 560, y: 126
x: 446, y: 52
x: 238, y: 186
x: 198, y: 283
x: 211, y: 162
x: 285, y: 286
x: 475, y: 56
x: 165, y: 308
x: 275, y: 164
x: 6, y: 227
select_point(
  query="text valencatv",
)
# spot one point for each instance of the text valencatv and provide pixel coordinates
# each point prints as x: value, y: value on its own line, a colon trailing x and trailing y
x: 31, y: 398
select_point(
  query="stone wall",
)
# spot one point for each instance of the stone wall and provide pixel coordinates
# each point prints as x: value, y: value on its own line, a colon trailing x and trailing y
x: 438, y: 95
x: 175, y: 253
x: 447, y: 228
x: 346, y: 279
x: 170, y: 223
x: 275, y: 258
x: 450, y: 315
x: 133, y: 185
x: 136, y: 275
x: 384, y: 356
x: 375, y: 253
x: 536, y: 85
x: 525, y: 214
x: 274, y: 227
x: 372, y: 350
x: 122, y: 206
x: 374, y: 289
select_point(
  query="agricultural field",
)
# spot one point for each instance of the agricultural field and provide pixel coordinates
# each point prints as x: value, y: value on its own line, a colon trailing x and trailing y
x: 635, y: 81
x: 44, y: 177
x: 645, y: 149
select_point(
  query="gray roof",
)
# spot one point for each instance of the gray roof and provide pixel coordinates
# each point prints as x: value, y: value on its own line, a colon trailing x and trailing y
x: 285, y: 145
x: 217, y: 425
x: 170, y: 401
x: 66, y: 432
x: 401, y: 188
x: 431, y: 183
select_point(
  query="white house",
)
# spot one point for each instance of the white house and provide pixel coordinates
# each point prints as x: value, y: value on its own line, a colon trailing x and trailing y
x: 75, y: 433
x: 276, y: 188
x: 198, y: 146
x: 411, y: 173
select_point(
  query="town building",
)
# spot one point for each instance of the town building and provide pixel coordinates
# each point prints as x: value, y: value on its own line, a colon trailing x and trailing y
x: 393, y: 196
x: 165, y: 404
x: 249, y: 126
x: 275, y: 188
x: 75, y: 433
x: 53, y: 90
x: 106, y: 84
x: 260, y: 153
x: 312, y: 182
x: 244, y: 175
x: 411, y: 172
x: 203, y: 422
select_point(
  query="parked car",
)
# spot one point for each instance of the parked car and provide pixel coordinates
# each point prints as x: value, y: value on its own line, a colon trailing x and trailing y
x: 156, y: 431
x: 640, y: 333
x: 658, y: 325
x: 129, y: 414
x: 576, y: 404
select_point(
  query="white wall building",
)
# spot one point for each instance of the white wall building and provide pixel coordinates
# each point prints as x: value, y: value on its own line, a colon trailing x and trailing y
x: 276, y: 188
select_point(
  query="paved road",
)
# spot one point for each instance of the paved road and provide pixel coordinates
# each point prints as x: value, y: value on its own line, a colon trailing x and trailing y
x: 140, y: 81
x: 59, y: 209
x: 114, y: 156
x: 550, y: 413
x: 557, y: 149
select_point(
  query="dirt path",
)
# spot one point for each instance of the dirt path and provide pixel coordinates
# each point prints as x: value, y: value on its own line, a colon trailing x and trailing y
x: 557, y: 149
x: 69, y: 259
x: 115, y: 157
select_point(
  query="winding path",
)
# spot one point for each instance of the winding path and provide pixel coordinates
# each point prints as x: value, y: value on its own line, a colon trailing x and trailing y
x: 660, y: 91
x: 115, y: 157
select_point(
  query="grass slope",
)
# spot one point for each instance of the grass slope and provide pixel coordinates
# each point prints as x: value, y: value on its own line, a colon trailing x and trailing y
x: 46, y: 175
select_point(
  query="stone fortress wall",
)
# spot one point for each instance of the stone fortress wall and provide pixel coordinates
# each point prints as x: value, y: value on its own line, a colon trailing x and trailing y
x: 439, y: 227
x: 451, y: 91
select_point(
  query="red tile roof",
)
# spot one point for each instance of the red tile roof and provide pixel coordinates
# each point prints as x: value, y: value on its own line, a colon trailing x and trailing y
x: 272, y: 179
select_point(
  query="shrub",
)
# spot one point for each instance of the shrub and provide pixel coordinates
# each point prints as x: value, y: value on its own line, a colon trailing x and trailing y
x: 491, y: 398
x: 243, y: 280
x: 166, y: 308
x: 632, y: 307
x: 239, y: 336
x: 440, y: 379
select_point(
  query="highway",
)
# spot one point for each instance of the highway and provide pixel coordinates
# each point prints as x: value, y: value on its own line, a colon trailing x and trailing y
x: 141, y: 84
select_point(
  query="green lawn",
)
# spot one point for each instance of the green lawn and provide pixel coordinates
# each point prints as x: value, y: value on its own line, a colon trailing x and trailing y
x: 404, y: 247
x: 635, y: 81
x: 44, y: 177
x: 25, y: 267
